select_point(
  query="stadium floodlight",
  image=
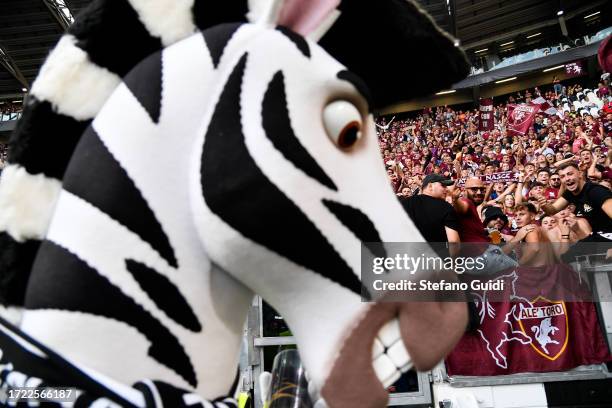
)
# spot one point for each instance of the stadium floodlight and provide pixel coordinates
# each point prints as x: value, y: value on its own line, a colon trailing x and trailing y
x: 553, y: 68
x: 591, y: 15
x: 505, y: 80
x: 533, y: 35
x: 447, y: 92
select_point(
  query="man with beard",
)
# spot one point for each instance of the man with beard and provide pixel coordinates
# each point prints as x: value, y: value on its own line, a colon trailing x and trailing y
x: 471, y: 228
x: 592, y: 201
x: 496, y: 223
x: 554, y: 183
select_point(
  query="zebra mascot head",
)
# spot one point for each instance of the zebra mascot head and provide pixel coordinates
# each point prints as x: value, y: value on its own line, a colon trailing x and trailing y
x: 194, y: 169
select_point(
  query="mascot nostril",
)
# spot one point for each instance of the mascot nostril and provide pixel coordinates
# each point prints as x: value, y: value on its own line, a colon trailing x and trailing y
x: 207, y: 154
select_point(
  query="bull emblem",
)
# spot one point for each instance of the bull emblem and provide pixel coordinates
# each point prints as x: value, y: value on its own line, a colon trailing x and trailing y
x: 542, y: 333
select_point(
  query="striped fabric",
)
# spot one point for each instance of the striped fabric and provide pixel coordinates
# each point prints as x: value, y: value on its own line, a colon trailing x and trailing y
x: 108, y: 38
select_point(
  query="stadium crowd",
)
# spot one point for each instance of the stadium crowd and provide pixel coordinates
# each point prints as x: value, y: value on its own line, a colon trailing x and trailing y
x: 553, y: 173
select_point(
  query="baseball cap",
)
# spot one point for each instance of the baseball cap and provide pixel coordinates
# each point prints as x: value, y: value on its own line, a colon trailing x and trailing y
x: 491, y: 213
x: 436, y: 178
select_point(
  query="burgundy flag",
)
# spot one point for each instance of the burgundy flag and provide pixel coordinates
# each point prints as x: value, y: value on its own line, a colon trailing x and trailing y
x: 486, y: 120
x: 545, y: 106
x: 574, y: 69
x: 542, y: 328
x: 521, y: 117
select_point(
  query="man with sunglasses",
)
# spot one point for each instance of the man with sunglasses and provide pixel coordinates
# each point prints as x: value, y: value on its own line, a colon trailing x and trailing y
x: 467, y: 208
x: 552, y: 191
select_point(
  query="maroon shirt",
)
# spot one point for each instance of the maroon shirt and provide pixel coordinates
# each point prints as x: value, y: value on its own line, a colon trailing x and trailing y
x: 472, y: 229
x: 551, y: 193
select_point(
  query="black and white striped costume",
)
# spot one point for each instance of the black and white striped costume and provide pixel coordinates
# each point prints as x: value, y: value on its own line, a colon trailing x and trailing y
x: 207, y: 174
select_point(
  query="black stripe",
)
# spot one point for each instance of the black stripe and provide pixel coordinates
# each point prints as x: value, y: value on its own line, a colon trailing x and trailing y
x: 53, y: 369
x: 16, y: 260
x: 60, y: 280
x: 277, y: 124
x: 251, y: 204
x: 44, y: 140
x: 359, y: 84
x: 24, y: 361
x: 113, y: 36
x: 359, y: 224
x: 207, y: 14
x: 164, y: 294
x: 145, y: 83
x: 217, y: 38
x: 147, y: 393
x: 296, y: 39
x: 95, y: 176
x: 172, y: 396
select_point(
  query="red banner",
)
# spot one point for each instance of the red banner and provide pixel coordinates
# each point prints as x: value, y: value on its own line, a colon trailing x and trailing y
x: 538, y: 331
x: 521, y: 117
x: 574, y: 69
x: 486, y: 120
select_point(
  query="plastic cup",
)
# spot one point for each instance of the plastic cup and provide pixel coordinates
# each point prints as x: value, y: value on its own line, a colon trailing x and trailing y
x: 288, y: 386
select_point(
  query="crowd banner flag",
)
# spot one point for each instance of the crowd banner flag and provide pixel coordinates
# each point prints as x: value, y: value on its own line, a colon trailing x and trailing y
x: 501, y: 177
x: 574, y: 69
x: 545, y: 106
x: 486, y: 120
x: 521, y: 117
x: 542, y: 327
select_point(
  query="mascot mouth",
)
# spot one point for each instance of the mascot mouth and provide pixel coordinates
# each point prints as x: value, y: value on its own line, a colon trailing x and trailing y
x: 390, y: 339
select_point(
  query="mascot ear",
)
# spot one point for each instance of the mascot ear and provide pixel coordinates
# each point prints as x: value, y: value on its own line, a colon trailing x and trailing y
x: 306, y: 17
x: 396, y: 48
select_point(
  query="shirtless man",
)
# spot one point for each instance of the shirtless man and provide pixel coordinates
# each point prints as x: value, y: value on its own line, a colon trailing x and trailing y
x: 538, y: 251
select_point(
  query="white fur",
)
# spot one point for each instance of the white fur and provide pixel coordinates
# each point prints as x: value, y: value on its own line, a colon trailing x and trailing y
x: 170, y: 20
x: 72, y: 83
x: 26, y: 203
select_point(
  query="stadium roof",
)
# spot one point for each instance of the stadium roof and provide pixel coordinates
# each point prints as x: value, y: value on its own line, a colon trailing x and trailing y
x: 29, y: 28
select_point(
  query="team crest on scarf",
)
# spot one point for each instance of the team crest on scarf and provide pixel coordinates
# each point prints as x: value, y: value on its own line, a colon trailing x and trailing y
x: 545, y: 322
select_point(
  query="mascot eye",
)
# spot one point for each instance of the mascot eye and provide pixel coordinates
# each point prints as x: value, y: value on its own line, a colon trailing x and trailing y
x: 342, y: 122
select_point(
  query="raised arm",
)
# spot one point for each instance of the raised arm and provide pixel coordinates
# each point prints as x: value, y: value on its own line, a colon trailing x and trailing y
x: 499, y: 198
x: 460, y: 204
